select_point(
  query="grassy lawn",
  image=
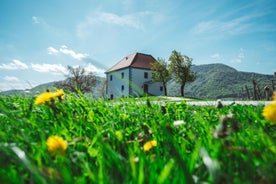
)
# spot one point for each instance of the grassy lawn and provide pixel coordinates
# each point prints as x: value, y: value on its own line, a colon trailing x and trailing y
x: 99, y: 142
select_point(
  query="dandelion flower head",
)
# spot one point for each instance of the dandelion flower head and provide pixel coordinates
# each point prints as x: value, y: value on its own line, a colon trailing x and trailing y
x: 274, y: 96
x: 149, y: 145
x: 44, y: 97
x: 47, y: 96
x: 59, y: 93
x: 56, y: 145
x: 269, y: 112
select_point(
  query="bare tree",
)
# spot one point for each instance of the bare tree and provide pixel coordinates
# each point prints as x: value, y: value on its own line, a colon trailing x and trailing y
x: 103, y: 87
x: 78, y: 80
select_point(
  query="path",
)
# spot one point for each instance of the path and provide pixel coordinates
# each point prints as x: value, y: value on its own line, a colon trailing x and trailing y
x: 214, y: 102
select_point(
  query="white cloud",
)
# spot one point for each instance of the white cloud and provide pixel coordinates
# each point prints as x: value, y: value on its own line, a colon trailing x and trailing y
x: 35, y: 20
x: 14, y: 65
x: 234, y: 26
x: 92, y: 68
x: 64, y: 50
x: 135, y: 20
x: 240, y: 57
x: 243, y: 24
x: 52, y: 51
x: 11, y: 79
x: 73, y: 54
x: 4, y: 86
x: 125, y: 20
x: 55, y: 69
x: 216, y: 56
x: 241, y: 54
x: 236, y: 60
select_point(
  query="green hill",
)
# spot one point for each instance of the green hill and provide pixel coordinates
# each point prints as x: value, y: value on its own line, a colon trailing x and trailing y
x: 213, y: 81
x: 221, y: 81
x: 35, y: 90
x: 96, y: 92
x: 43, y: 87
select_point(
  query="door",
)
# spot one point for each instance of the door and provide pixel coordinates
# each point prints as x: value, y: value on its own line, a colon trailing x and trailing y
x: 146, y: 88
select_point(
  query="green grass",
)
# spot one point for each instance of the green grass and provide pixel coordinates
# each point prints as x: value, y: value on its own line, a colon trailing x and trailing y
x: 106, y: 143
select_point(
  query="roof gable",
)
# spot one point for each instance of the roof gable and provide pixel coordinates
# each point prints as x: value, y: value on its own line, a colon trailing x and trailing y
x: 136, y: 60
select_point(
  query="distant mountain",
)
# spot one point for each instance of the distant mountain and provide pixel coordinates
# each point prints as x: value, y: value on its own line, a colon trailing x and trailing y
x: 213, y: 81
x: 221, y: 81
x: 43, y: 87
x: 14, y: 92
x: 38, y: 89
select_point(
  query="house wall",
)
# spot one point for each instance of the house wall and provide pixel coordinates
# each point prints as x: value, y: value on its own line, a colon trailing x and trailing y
x: 137, y: 81
x: 119, y: 85
x: 133, y: 83
x: 154, y: 89
x: 138, y: 78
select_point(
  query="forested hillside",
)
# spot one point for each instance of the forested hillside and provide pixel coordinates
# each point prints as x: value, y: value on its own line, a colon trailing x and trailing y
x: 221, y: 81
x: 213, y: 81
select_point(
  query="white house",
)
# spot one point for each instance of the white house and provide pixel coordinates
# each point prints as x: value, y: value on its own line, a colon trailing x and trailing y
x: 131, y: 77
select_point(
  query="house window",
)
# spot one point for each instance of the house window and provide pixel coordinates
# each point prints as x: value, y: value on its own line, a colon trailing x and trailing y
x: 110, y: 77
x: 122, y: 87
x: 161, y: 88
x: 146, y: 75
x: 122, y: 75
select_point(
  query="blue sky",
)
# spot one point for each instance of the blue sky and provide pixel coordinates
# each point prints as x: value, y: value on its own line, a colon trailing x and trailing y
x: 38, y: 39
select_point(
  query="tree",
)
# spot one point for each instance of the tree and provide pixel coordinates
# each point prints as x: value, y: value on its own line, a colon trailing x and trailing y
x: 103, y: 87
x: 77, y: 80
x: 180, y: 68
x: 160, y: 72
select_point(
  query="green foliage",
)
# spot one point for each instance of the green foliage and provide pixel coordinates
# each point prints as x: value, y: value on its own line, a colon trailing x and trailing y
x: 221, y: 81
x: 160, y: 72
x: 180, y: 67
x: 105, y: 142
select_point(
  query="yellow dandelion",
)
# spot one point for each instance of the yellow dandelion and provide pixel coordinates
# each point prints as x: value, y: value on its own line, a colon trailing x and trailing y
x: 150, y: 144
x: 56, y: 145
x: 47, y: 96
x: 274, y: 96
x: 59, y: 93
x: 44, y: 97
x: 269, y: 112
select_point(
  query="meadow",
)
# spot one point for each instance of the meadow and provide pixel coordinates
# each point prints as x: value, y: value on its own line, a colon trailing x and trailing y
x: 76, y: 139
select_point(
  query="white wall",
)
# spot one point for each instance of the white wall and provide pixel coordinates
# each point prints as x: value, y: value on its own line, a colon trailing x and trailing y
x: 154, y: 89
x: 137, y: 76
x: 139, y: 80
x: 114, y: 86
x: 135, y: 87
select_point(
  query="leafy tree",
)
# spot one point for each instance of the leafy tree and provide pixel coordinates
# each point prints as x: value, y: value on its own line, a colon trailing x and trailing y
x: 77, y: 80
x: 180, y: 68
x: 160, y: 72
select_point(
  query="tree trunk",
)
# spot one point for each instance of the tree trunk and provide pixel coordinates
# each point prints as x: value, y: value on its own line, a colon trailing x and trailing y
x: 182, y: 89
x: 254, y: 90
x: 165, y: 89
x: 247, y: 91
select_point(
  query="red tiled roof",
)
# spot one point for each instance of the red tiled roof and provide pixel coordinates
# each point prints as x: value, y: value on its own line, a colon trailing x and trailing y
x: 136, y: 60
